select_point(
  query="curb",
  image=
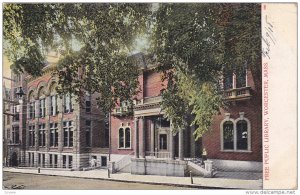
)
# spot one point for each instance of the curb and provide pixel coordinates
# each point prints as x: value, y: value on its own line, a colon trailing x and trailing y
x: 197, y: 186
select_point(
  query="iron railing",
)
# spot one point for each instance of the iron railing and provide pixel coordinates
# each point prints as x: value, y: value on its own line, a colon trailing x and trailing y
x: 158, y: 154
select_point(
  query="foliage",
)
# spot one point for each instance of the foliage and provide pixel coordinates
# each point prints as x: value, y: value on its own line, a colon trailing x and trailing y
x: 103, y: 32
x: 197, y: 42
x: 193, y: 43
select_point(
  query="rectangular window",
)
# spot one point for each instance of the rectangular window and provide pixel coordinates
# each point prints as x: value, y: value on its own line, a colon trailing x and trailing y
x: 15, y: 135
x: 29, y: 158
x: 43, y: 160
x: 31, y: 135
x: 88, y: 133
x: 55, y: 160
x: 241, y: 78
x: 16, y: 116
x: 33, y: 163
x: 32, y: 110
x: 42, y: 108
x: 53, y: 135
x: 64, y: 161
x: 228, y: 80
x: 163, y: 141
x: 39, y: 159
x: 68, y: 103
x: 42, y: 135
x: 70, y: 161
x: 68, y: 133
x: 50, y: 160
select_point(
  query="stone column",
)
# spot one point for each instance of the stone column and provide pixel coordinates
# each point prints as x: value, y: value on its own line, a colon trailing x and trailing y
x: 37, y: 108
x: 47, y: 125
x: 180, y: 140
x: 192, y: 142
x: 47, y: 136
x: 136, y: 148
x: 22, y: 138
x: 60, y: 126
x: 36, y: 131
x: 152, y: 138
x: 27, y: 129
x: 143, y: 138
x: 172, y: 151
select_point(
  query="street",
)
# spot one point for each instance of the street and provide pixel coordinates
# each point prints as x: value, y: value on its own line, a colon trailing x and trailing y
x: 43, y: 182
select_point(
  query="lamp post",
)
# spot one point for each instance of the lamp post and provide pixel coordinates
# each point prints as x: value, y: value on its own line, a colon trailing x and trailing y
x: 20, y: 93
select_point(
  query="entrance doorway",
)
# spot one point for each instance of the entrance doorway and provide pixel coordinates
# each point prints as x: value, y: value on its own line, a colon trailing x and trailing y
x: 103, y: 161
x: 14, y: 159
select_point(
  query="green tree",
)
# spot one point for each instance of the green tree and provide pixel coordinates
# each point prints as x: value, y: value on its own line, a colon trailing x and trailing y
x: 194, y: 44
x: 103, y: 32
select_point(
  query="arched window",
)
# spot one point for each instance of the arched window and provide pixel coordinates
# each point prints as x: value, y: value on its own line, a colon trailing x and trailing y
x: 53, y: 100
x: 42, y: 102
x: 124, y: 137
x: 242, y: 135
x: 127, y: 137
x: 235, y: 134
x: 121, y: 138
x: 31, y: 106
x: 228, y: 136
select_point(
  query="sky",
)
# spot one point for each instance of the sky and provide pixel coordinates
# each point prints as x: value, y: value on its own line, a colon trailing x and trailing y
x: 6, y: 71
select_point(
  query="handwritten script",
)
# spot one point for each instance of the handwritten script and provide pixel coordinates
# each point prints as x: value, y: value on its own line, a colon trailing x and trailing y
x: 268, y: 38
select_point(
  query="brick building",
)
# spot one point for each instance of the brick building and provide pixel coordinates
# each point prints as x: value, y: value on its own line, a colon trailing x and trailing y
x: 55, y: 131
x: 143, y: 143
x: 6, y: 123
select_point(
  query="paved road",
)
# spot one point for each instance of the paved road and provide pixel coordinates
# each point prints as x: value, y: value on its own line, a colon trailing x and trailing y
x: 43, y: 182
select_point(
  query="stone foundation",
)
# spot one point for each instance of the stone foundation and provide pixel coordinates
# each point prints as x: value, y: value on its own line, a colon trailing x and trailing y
x: 234, y: 165
x: 164, y: 167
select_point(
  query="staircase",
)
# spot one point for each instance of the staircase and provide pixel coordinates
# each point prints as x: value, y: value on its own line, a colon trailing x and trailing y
x: 123, y: 165
x: 195, y: 166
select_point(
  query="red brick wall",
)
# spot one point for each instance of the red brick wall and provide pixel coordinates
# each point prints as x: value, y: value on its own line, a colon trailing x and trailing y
x: 211, y: 141
x: 253, y: 112
x: 115, y: 125
x: 153, y: 84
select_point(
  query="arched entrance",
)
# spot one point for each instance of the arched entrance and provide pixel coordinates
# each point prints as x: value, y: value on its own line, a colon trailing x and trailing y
x: 14, y: 159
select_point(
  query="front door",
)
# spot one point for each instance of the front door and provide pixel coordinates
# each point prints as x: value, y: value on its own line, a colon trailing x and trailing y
x: 14, y: 160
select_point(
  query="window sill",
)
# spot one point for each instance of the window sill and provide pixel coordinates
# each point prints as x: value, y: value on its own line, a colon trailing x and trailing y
x: 237, y: 151
x: 125, y: 148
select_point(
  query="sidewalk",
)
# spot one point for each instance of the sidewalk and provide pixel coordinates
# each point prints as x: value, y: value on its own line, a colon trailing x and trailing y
x: 199, y: 182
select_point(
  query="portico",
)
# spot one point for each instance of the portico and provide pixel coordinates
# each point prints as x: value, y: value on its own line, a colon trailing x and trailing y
x: 156, y: 146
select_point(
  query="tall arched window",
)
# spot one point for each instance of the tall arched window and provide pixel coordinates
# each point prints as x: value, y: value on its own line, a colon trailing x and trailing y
x: 242, y: 135
x: 31, y: 106
x: 42, y: 102
x: 235, y: 134
x: 228, y: 136
x: 124, y: 137
x: 127, y: 137
x: 53, y: 100
x: 121, y: 138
